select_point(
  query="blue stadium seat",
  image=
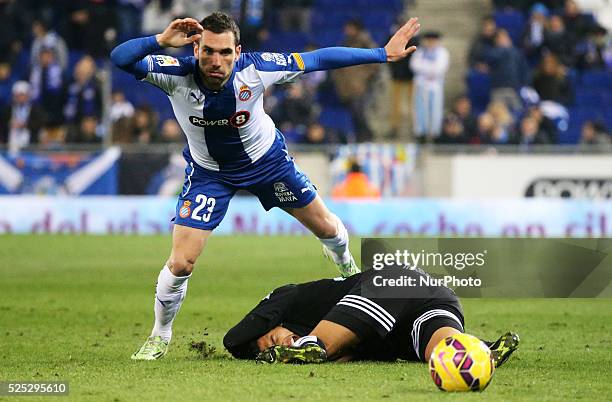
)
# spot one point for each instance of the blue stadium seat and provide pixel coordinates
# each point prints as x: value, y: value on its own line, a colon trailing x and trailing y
x: 597, y: 79
x: 376, y: 20
x: 593, y: 98
x: 579, y: 114
x: 21, y: 66
x: 280, y: 41
x: 73, y: 58
x: 338, y: 118
x: 333, y: 4
x: 328, y: 97
x: 328, y: 37
x: 326, y: 19
x: 512, y: 21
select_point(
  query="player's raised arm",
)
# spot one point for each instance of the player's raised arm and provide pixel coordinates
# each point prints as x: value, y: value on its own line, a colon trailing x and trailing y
x: 396, y: 47
x: 129, y: 55
x: 338, y: 57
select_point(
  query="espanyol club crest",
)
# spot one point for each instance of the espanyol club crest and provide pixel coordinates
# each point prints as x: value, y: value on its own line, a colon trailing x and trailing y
x: 185, y: 210
x: 245, y: 93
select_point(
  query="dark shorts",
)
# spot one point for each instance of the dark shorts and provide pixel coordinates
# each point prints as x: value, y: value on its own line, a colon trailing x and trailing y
x: 396, y: 327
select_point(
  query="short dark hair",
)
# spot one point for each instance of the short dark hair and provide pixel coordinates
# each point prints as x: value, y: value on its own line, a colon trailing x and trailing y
x: 219, y: 23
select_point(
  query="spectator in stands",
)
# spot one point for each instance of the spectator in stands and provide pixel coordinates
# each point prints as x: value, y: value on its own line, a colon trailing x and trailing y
x: 484, y: 129
x: 524, y: 5
x: 145, y: 123
x: 316, y: 135
x: 48, y: 85
x: 576, y: 22
x: 594, y: 134
x: 90, y: 26
x: 401, y: 92
x: 429, y: 64
x: 12, y: 36
x: 591, y: 52
x: 503, y: 131
x: 197, y: 8
x: 89, y: 131
x: 120, y: 107
x: 14, y: 30
x: 53, y: 134
x: 544, y: 123
x: 355, y: 185
x: 509, y: 71
x: 294, y: 15
x: 47, y: 38
x: 123, y: 130
x: 129, y: 17
x: 294, y: 112
x: 21, y: 121
x: 83, y: 95
x: 530, y: 134
x: 533, y: 37
x: 551, y: 82
x: 171, y: 132
x: 482, y: 43
x: 452, y: 131
x: 558, y: 41
x: 352, y: 83
x: 462, y: 108
x: 7, y: 79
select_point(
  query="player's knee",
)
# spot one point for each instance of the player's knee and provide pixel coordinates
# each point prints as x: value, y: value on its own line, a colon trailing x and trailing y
x: 181, y: 266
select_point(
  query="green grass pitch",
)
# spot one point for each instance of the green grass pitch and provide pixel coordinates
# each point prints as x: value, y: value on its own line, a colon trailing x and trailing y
x: 76, y: 308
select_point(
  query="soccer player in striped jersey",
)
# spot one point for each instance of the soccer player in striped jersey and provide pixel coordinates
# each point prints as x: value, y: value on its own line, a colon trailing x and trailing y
x: 217, y: 98
x: 353, y: 319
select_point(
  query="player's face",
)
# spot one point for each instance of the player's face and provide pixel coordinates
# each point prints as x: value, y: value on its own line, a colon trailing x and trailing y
x: 216, y: 54
x: 276, y: 336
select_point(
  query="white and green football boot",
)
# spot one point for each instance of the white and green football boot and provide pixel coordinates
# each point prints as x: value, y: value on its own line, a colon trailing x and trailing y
x: 348, y: 269
x: 307, y: 354
x: 154, y: 348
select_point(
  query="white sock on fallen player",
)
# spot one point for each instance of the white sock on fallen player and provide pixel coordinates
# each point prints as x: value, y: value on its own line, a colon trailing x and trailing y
x: 339, y: 245
x: 308, y: 340
x: 169, y: 295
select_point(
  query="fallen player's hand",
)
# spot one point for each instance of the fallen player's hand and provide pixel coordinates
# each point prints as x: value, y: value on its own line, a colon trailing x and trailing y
x: 180, y: 32
x: 396, y: 47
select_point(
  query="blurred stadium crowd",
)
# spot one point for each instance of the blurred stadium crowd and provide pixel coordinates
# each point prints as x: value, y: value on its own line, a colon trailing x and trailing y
x: 539, y: 72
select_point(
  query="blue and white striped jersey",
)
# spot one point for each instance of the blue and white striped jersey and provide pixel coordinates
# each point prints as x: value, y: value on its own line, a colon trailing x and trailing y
x: 227, y: 129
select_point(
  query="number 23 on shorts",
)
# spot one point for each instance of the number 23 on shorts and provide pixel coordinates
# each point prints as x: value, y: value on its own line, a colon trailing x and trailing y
x: 200, y: 213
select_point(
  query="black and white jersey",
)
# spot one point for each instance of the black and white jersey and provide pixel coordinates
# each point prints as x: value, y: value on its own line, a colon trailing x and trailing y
x: 388, y: 327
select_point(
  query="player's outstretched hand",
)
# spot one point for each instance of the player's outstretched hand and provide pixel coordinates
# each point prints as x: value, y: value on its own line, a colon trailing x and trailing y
x: 396, y: 47
x: 180, y: 32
